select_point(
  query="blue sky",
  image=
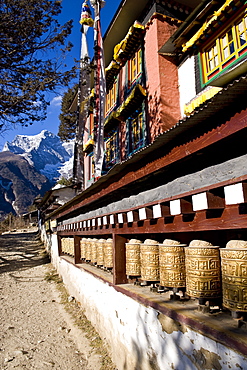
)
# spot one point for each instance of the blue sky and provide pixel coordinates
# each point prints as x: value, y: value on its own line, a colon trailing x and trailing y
x: 71, y: 10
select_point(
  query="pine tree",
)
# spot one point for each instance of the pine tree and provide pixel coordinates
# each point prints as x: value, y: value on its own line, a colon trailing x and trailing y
x: 68, y: 119
x: 30, y: 40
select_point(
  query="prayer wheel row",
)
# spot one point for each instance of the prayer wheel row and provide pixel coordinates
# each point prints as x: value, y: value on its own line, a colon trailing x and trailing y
x: 163, y: 263
x: 97, y: 251
x: 67, y: 246
x: 208, y: 272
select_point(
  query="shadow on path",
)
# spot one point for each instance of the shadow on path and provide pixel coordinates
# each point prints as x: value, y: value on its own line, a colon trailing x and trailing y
x: 21, y: 251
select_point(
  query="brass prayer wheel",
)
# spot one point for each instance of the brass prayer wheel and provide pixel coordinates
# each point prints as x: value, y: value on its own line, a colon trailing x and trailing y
x: 67, y: 245
x: 63, y: 245
x: 234, y: 275
x: 108, y: 253
x: 94, y: 250
x: 88, y: 250
x: 83, y: 248
x: 149, y: 252
x: 133, y: 259
x: 100, y: 252
x: 71, y: 246
x: 202, y: 261
x: 172, y: 264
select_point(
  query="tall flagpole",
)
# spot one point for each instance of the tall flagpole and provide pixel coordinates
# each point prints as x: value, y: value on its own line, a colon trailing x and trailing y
x: 86, y: 21
x: 100, y: 90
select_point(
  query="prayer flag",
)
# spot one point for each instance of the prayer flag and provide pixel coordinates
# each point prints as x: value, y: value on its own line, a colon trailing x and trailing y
x: 100, y: 94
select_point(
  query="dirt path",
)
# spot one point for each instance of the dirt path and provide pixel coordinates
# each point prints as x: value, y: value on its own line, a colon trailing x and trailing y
x: 36, y: 332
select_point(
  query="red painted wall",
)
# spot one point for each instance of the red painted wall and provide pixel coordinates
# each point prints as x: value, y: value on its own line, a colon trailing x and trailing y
x: 162, y: 78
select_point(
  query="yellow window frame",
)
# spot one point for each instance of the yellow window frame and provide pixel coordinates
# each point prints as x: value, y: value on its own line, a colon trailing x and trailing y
x: 111, y: 98
x: 242, y: 33
x: 111, y: 147
x: 135, y: 66
x: 226, y: 48
x: 137, y: 134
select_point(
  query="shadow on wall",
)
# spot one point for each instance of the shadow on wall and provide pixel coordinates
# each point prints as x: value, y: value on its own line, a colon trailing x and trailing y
x: 21, y: 251
x: 181, y: 349
x: 158, y: 117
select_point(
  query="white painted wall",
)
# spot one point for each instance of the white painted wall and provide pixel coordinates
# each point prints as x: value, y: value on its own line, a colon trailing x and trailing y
x: 64, y: 194
x: 187, y: 82
x: 139, y: 337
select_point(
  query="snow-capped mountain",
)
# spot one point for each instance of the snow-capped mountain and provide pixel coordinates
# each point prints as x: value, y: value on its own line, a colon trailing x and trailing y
x: 45, y: 152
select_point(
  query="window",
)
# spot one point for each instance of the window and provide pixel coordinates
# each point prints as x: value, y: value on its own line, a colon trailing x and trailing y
x: 111, y: 149
x: 227, y: 48
x: 212, y: 57
x: 111, y: 99
x: 242, y: 32
x: 135, y: 67
x: 136, y: 133
x: 227, y: 45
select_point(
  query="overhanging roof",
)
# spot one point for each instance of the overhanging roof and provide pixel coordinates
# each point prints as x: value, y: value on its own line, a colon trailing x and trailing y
x: 217, y: 19
x: 127, y: 12
x: 229, y: 95
x: 191, y: 24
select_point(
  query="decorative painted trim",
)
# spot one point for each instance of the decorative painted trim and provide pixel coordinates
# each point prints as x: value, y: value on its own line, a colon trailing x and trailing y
x: 137, y: 95
x: 161, y: 17
x: 200, y: 99
x: 111, y: 73
x: 206, y: 26
x: 88, y: 144
x: 129, y: 43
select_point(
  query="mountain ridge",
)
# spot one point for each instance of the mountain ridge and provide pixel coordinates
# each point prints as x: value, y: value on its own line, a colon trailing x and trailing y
x: 29, y: 166
x: 20, y: 183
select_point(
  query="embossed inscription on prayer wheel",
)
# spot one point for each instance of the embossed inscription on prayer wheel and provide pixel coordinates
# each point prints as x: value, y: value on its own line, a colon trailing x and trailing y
x: 100, y: 252
x: 108, y: 253
x: 133, y: 260
x: 94, y: 250
x: 150, y: 260
x: 172, y: 264
x: 83, y: 248
x: 234, y: 275
x: 202, y: 261
x: 88, y: 249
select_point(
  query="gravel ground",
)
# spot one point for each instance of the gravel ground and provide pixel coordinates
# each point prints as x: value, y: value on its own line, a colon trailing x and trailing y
x: 37, y: 330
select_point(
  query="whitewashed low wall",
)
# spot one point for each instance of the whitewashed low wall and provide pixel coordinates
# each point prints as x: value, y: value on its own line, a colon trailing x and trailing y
x: 46, y: 238
x: 139, y: 337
